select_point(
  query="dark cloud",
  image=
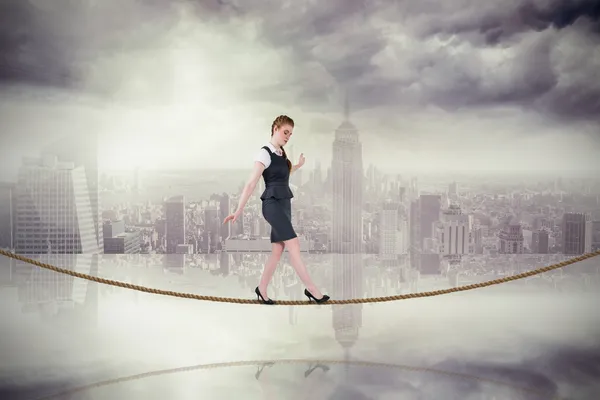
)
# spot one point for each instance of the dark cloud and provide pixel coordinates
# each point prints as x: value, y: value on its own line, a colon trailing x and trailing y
x: 411, y: 52
x: 28, y: 52
x: 52, y: 43
x: 467, y: 80
x: 498, y: 23
x: 536, y: 75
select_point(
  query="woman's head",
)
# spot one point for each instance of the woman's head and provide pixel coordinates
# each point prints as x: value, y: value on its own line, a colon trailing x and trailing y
x: 281, y: 131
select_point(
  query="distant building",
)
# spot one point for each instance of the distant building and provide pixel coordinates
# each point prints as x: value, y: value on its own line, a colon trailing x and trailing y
x: 347, y: 189
x: 393, y: 231
x: 573, y: 231
x: 592, y: 236
x: 455, y: 232
x: 224, y: 210
x: 81, y: 149
x: 427, y: 263
x: 117, y: 241
x: 54, y: 214
x: 511, y: 238
x: 430, y: 206
x: 8, y: 205
x: 540, y: 242
x: 175, y: 223
x: 453, y: 189
x: 212, y: 225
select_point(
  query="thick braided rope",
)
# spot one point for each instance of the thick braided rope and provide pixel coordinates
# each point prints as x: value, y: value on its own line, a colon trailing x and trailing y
x: 296, y: 302
x: 315, y: 363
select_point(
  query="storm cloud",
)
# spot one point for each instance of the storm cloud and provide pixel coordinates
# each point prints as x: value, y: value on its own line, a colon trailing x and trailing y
x: 542, y: 54
x: 411, y: 69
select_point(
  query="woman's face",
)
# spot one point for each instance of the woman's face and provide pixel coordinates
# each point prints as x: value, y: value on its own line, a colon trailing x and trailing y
x: 282, y: 134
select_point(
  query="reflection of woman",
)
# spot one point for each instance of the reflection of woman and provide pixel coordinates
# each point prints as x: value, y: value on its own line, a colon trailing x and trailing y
x: 263, y: 381
x: 274, y: 166
x: 314, y: 387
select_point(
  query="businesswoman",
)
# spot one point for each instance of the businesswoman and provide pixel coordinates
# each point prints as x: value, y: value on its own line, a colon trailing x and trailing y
x: 272, y: 163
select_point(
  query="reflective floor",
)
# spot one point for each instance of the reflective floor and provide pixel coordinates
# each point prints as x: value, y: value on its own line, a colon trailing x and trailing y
x: 66, y: 338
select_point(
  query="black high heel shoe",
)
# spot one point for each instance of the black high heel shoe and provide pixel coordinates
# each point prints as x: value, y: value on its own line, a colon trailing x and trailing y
x: 261, y: 298
x: 311, y: 297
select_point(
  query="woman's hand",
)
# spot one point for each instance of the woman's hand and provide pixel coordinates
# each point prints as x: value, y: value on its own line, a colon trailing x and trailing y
x: 301, y: 161
x: 232, y: 217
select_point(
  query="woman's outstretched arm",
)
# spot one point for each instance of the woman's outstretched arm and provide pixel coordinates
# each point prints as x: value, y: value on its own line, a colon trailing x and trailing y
x: 250, y: 185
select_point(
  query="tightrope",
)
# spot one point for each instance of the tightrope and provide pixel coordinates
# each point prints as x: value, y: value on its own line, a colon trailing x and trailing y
x: 296, y: 302
x: 315, y: 363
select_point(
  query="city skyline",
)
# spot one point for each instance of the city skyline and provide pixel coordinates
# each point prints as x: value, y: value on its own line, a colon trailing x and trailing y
x: 483, y: 89
x: 348, y: 208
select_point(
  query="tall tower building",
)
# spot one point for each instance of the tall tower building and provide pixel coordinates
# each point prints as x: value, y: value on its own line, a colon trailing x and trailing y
x: 212, y: 224
x: 414, y: 188
x: 82, y: 150
x: 540, y: 242
x: 414, y: 227
x: 224, y: 210
x: 393, y: 231
x: 318, y: 175
x: 592, y: 236
x: 54, y: 214
x: 347, y: 188
x: 430, y: 206
x: 573, y: 231
x: 8, y: 206
x: 175, y: 221
x: 453, y: 190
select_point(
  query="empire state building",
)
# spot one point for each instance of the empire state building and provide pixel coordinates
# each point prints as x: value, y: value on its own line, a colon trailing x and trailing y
x: 347, y: 183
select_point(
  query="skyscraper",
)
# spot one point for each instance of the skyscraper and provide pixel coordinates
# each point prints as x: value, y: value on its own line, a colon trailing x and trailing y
x: 212, y: 225
x: 592, y: 236
x: 347, y: 188
x: 456, y: 232
x: 82, y: 150
x: 539, y: 242
x: 414, y: 227
x: 573, y: 230
x: 8, y: 200
x: 54, y: 214
x: 224, y: 210
x: 393, y: 231
x: 175, y: 220
x: 430, y: 206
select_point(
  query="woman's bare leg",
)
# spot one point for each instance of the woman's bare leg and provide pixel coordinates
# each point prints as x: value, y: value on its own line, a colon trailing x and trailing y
x: 270, y: 267
x: 293, y: 246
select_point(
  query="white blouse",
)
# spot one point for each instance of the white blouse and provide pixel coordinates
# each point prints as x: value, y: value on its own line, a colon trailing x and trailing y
x: 264, y: 157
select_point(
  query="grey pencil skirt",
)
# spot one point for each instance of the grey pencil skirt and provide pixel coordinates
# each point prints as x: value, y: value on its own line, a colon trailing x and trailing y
x: 278, y: 213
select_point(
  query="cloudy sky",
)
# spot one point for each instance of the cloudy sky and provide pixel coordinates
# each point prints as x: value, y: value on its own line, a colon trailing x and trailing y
x: 433, y: 85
